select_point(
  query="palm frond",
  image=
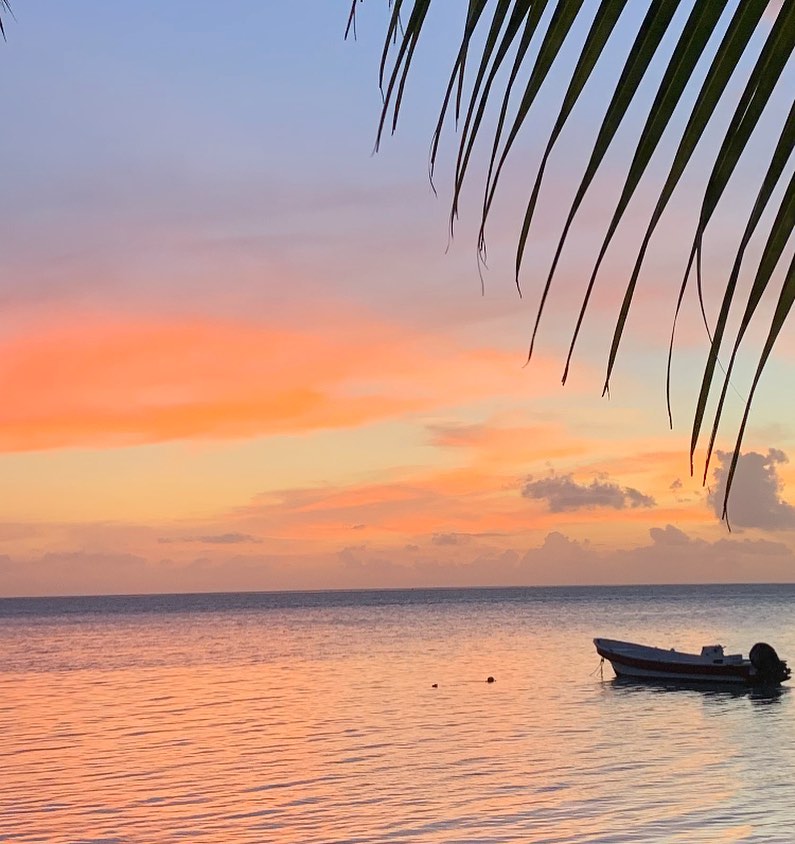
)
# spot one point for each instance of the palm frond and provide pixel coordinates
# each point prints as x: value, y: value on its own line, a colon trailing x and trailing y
x: 497, y: 29
x: 5, y: 9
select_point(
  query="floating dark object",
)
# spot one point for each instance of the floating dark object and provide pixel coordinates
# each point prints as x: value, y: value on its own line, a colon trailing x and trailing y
x: 435, y: 686
x: 489, y: 679
x: 641, y: 662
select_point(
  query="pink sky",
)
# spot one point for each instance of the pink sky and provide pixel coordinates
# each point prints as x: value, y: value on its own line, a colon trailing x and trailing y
x: 236, y: 352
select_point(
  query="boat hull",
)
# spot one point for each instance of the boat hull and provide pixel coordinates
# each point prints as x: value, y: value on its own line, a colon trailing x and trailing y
x: 641, y: 663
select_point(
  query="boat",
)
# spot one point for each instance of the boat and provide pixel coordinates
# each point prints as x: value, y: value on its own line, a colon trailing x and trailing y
x: 712, y: 665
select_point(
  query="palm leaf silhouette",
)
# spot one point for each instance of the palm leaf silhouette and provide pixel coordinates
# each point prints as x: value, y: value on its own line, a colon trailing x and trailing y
x: 732, y: 33
x: 5, y: 9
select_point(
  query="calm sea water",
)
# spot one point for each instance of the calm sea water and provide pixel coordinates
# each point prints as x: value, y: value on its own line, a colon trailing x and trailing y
x: 312, y: 718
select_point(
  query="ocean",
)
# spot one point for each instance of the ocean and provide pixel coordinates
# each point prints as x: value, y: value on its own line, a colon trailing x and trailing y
x: 366, y: 717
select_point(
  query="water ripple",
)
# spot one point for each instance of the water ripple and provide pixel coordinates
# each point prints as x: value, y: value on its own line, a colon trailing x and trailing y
x: 320, y: 724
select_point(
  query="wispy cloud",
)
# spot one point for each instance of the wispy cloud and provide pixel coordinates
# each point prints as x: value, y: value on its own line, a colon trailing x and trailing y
x: 110, y: 381
x: 510, y: 441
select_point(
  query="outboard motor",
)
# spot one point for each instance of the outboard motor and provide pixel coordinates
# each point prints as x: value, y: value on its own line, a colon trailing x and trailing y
x: 769, y: 668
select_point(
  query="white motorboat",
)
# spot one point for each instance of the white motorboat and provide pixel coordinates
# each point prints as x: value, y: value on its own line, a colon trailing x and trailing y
x: 712, y: 665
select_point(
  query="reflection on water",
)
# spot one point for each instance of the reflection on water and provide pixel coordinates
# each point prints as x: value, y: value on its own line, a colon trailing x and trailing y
x: 710, y: 691
x: 257, y: 719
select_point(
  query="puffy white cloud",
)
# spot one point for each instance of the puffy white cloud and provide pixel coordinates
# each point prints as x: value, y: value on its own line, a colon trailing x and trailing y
x: 755, y: 500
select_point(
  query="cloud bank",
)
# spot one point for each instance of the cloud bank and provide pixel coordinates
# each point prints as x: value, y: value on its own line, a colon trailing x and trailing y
x: 669, y: 556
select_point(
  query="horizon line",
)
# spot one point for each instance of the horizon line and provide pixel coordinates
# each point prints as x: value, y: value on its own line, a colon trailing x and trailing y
x: 377, y: 589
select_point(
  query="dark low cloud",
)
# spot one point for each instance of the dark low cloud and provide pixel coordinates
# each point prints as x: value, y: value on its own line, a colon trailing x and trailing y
x: 212, y: 539
x: 350, y: 554
x: 669, y: 535
x: 562, y: 493
x: 227, y: 538
x: 450, y: 538
x: 755, y: 500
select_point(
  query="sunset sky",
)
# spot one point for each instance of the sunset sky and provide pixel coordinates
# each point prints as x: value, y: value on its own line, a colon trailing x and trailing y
x: 237, y: 352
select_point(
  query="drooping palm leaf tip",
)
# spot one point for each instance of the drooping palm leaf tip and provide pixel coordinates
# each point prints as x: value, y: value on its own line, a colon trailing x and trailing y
x: 507, y: 29
x: 5, y: 9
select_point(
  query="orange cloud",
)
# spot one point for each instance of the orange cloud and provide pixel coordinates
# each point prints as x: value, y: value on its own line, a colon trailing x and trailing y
x: 512, y: 444
x: 480, y: 494
x: 115, y: 381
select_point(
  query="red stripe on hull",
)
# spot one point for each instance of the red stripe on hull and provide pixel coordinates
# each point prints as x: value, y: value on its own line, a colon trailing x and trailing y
x: 718, y: 672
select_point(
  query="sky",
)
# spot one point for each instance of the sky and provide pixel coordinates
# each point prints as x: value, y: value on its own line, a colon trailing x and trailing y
x: 240, y: 350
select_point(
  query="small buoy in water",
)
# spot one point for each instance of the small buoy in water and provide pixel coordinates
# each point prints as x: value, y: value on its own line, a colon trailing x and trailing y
x: 489, y: 679
x: 435, y: 686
